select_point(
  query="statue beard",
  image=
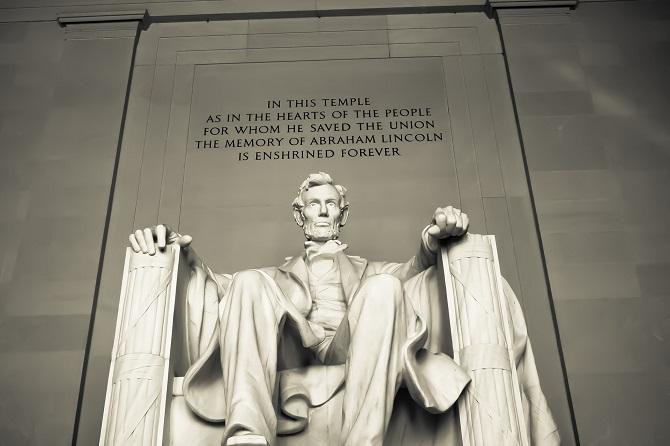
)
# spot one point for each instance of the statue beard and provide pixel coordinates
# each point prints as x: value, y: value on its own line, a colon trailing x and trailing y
x: 322, y: 233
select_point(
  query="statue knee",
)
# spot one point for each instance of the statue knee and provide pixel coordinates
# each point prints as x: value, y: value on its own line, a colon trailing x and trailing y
x: 382, y: 281
x: 248, y: 276
x: 382, y: 290
x: 247, y: 285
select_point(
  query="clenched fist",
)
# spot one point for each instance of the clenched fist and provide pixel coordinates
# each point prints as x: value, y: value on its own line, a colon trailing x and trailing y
x: 447, y: 222
x: 148, y: 240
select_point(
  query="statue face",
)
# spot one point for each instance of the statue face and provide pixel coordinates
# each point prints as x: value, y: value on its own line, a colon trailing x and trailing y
x: 321, y: 213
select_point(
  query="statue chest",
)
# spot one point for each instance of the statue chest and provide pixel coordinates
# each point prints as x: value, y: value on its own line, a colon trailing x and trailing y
x: 329, y: 303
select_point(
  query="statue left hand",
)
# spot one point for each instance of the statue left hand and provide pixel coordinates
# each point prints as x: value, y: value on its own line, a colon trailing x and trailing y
x: 447, y: 222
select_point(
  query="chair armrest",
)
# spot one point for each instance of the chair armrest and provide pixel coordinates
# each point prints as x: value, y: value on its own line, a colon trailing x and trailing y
x: 143, y: 355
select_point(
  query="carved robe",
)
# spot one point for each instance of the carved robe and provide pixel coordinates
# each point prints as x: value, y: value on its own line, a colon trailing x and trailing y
x: 432, y: 379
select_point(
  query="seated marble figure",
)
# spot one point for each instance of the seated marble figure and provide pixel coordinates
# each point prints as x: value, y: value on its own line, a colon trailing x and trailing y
x: 369, y: 318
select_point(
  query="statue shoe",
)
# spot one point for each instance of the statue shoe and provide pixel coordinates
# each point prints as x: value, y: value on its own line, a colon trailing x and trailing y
x: 247, y: 440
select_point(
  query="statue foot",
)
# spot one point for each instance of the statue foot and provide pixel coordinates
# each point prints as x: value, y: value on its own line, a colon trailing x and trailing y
x: 247, y: 440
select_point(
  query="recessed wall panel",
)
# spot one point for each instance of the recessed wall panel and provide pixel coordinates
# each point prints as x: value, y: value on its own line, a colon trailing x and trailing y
x: 256, y: 130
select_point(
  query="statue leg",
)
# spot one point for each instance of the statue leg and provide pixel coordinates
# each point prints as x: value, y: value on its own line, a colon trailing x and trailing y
x: 377, y: 318
x: 250, y: 323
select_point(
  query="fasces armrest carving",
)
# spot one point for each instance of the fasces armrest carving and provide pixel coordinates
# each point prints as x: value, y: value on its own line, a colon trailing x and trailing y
x: 490, y: 410
x: 137, y: 389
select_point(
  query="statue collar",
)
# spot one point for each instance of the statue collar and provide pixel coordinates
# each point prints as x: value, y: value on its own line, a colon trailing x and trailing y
x: 328, y: 250
x: 352, y: 269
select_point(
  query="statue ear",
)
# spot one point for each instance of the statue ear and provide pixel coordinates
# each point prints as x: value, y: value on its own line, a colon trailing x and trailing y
x: 344, y: 215
x: 297, y: 216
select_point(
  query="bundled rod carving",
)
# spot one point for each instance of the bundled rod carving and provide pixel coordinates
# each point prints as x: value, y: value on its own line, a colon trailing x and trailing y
x: 490, y: 411
x: 135, y: 405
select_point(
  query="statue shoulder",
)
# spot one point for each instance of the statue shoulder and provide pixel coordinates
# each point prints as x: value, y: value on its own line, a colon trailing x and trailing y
x: 269, y: 270
x: 358, y: 259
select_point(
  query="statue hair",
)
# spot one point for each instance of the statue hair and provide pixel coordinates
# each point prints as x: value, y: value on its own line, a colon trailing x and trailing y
x: 319, y: 179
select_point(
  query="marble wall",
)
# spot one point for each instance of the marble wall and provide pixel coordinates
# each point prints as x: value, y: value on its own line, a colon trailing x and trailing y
x: 60, y: 114
x: 592, y: 93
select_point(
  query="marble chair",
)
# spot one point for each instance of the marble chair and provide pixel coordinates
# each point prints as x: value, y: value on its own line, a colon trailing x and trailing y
x: 145, y: 404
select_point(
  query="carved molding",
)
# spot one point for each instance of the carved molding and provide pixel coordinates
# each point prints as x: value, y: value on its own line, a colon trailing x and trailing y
x: 65, y: 19
x: 217, y: 10
x: 530, y: 3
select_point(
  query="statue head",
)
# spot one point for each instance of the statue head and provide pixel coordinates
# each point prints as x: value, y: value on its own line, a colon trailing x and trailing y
x: 320, y: 207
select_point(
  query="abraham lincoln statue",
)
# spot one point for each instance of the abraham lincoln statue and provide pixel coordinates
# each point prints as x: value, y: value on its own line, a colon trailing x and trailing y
x: 356, y: 326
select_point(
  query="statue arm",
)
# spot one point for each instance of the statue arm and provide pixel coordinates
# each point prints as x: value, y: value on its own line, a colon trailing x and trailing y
x: 198, y: 266
x: 205, y: 290
x: 446, y: 222
x: 427, y: 255
x: 424, y: 259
